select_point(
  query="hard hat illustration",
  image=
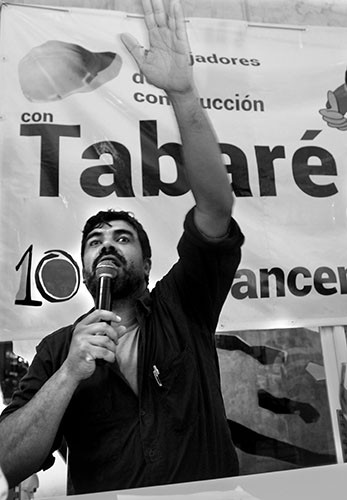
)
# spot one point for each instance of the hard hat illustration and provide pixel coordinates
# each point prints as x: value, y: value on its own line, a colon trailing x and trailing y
x: 56, y: 69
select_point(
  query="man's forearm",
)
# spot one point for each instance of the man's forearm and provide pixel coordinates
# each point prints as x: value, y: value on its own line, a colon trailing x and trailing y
x: 166, y: 64
x: 27, y: 435
x: 203, y: 160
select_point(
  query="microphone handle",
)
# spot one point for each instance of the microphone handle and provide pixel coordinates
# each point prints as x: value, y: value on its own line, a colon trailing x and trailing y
x: 103, y: 297
x: 103, y: 301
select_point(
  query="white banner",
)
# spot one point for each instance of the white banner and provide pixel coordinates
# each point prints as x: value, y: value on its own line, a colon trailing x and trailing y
x: 82, y: 131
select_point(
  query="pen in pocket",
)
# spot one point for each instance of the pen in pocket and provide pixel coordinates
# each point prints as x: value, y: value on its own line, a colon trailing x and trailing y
x: 156, y: 374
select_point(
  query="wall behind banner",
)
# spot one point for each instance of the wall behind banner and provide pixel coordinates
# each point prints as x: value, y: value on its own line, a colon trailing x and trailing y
x: 312, y: 12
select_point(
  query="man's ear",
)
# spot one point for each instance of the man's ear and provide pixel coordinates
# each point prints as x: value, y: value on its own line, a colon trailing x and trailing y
x: 147, y: 265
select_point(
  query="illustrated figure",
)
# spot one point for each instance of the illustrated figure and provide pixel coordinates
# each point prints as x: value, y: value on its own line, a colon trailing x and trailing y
x: 336, y: 107
x: 56, y: 70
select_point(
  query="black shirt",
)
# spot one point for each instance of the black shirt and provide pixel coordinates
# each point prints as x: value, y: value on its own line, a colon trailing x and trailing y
x: 175, y: 430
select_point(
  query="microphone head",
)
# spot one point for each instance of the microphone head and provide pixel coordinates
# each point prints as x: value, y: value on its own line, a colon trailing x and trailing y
x: 106, y: 268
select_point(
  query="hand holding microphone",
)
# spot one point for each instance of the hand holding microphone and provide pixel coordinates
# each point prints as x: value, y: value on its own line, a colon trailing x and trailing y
x: 94, y: 338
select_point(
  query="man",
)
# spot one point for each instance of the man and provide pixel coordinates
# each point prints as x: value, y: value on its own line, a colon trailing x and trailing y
x: 151, y: 411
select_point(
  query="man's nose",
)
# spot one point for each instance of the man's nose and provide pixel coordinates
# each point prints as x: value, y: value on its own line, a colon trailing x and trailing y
x: 108, y: 246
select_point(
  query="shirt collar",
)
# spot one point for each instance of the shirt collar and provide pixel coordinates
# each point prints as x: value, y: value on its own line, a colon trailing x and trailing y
x: 143, y: 304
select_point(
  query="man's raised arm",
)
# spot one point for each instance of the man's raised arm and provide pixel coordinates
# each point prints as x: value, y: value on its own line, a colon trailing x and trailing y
x: 166, y: 64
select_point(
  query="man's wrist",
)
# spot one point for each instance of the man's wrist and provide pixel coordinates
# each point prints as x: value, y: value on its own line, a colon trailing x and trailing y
x: 67, y: 376
x: 188, y: 96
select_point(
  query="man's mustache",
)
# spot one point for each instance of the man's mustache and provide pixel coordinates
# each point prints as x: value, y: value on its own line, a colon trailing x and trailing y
x: 112, y: 254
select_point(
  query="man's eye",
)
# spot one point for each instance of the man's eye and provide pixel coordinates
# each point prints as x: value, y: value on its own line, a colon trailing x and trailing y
x: 94, y: 243
x: 123, y: 239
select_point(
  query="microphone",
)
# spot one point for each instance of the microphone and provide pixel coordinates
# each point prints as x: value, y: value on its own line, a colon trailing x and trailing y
x: 105, y: 272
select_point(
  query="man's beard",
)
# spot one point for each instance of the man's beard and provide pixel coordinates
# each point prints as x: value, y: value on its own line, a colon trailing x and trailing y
x: 127, y: 283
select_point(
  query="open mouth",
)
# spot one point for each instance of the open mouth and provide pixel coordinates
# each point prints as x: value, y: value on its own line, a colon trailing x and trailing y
x: 106, y: 268
x: 108, y: 260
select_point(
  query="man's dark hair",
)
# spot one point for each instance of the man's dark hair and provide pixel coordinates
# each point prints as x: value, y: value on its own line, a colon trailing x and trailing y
x: 104, y: 217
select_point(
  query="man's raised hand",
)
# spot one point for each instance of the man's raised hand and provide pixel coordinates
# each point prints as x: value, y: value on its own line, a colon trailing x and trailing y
x: 166, y: 63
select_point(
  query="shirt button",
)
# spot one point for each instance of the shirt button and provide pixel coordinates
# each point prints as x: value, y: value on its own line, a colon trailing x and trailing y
x: 152, y: 454
x: 142, y: 413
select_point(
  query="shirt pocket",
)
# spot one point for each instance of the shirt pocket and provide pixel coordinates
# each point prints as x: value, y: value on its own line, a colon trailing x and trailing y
x: 177, y: 389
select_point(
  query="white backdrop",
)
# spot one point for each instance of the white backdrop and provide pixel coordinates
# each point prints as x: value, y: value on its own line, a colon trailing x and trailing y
x: 263, y: 89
